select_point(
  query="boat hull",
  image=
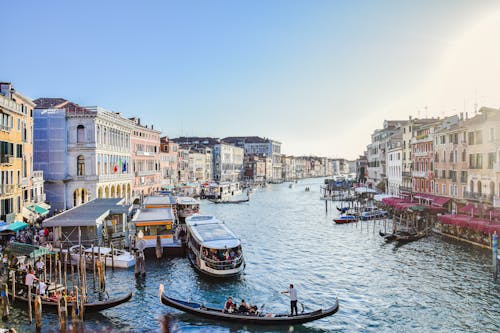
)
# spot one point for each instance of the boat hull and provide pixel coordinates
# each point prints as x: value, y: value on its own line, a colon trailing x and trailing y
x: 219, y: 274
x: 268, y: 319
x: 89, y: 307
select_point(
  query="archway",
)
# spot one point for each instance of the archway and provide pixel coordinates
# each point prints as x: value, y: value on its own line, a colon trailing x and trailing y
x: 99, y: 192
x: 113, y: 193
x: 106, y: 192
x: 118, y: 191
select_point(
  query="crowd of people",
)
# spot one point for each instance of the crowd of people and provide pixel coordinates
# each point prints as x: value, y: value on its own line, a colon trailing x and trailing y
x: 222, y: 258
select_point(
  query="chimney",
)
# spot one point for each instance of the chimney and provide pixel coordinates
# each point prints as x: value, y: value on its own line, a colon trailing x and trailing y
x: 461, y: 116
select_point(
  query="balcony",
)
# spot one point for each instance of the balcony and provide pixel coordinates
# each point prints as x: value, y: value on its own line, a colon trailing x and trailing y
x: 146, y: 173
x: 10, y: 105
x: 144, y: 153
x: 421, y: 154
x: 37, y: 175
x: 7, y: 189
x: 485, y: 198
x: 25, y: 182
x: 6, y: 160
x: 39, y: 198
x: 114, y: 177
x: 4, y: 128
x: 420, y: 174
x: 405, y: 189
x: 406, y: 174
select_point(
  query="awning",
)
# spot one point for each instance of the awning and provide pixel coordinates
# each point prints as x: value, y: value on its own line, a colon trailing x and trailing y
x: 28, y: 214
x: 16, y: 226
x: 467, y: 209
x: 44, y: 205
x: 38, y: 209
x: 434, y: 199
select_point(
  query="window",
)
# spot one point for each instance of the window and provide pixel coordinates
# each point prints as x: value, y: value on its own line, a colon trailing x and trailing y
x: 80, y: 133
x: 492, y: 135
x: 479, y: 137
x: 491, y: 160
x: 471, y: 138
x: 464, y: 156
x: 80, y: 166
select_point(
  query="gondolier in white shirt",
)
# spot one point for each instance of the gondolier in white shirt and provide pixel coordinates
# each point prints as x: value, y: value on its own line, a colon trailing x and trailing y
x: 292, y: 292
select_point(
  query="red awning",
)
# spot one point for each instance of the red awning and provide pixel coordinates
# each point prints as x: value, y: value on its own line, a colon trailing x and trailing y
x: 479, y: 225
x: 434, y: 199
x: 467, y: 209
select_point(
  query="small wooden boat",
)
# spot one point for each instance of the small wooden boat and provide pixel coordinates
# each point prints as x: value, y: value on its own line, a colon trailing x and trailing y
x: 217, y: 201
x: 89, y: 307
x: 387, y: 237
x: 345, y: 219
x: 406, y: 237
x: 245, y: 318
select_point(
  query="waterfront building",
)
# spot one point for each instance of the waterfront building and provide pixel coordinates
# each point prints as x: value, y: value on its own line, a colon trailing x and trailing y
x: 183, y: 165
x: 450, y: 160
x: 423, y: 157
x: 261, y: 146
x: 228, y: 162
x: 352, y: 167
x: 16, y: 153
x: 255, y: 167
x: 362, y: 168
x: 84, y: 152
x: 200, y: 164
x: 377, y: 151
x: 145, y: 151
x: 288, y: 168
x: 394, y: 163
x: 409, y: 128
x: 168, y: 161
x: 300, y: 167
x: 483, y: 140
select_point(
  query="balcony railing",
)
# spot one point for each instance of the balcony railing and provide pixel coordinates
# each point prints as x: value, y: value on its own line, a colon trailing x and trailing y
x: 146, y: 173
x: 10, y: 105
x: 420, y: 174
x: 421, y: 153
x: 486, y: 198
x: 405, y: 189
x: 38, y: 174
x: 6, y: 159
x: 7, y: 189
x: 406, y: 174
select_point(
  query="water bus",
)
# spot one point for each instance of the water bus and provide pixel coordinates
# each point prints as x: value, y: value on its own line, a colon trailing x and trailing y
x: 186, y: 206
x: 212, y: 248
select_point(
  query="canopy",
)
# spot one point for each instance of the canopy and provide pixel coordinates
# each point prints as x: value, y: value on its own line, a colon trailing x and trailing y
x: 380, y: 197
x: 434, y: 199
x: 16, y: 226
x: 465, y: 221
x: 361, y: 190
x: 38, y: 209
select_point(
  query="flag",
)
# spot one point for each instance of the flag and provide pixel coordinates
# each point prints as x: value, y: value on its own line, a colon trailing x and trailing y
x: 115, y: 168
x: 124, y: 168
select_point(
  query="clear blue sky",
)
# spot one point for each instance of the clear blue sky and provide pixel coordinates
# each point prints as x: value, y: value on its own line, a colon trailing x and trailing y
x: 319, y: 76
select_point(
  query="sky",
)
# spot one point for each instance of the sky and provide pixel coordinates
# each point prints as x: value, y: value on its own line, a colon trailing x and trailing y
x: 318, y: 76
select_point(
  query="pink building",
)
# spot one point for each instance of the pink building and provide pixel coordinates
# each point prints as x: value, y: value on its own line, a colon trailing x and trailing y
x: 169, y: 161
x: 145, y: 149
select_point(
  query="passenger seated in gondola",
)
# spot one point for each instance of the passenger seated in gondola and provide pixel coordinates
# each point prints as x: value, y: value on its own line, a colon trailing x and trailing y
x: 229, y: 305
x: 243, y: 308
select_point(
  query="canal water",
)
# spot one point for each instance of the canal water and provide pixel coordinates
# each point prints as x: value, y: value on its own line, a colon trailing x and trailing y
x: 432, y: 285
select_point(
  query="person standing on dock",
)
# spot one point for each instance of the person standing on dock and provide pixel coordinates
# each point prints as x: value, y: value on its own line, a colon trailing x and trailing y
x: 292, y: 292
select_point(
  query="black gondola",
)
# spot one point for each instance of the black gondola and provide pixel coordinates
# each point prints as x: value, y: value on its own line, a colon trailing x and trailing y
x: 215, y: 201
x: 406, y: 237
x: 88, y: 307
x: 259, y: 319
x: 387, y: 237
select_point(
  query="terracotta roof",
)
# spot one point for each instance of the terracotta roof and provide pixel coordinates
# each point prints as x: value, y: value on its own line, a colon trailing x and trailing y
x: 50, y: 103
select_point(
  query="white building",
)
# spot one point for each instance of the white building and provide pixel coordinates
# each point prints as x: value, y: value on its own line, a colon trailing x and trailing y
x: 394, y: 164
x: 227, y: 162
x: 83, y: 152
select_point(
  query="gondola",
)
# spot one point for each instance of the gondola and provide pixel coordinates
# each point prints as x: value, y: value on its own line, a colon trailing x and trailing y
x: 342, y: 209
x: 387, y: 237
x: 216, y: 201
x: 258, y: 319
x: 89, y: 307
x: 406, y: 237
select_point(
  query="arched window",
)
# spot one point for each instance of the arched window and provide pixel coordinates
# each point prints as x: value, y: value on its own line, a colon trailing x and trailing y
x: 80, y: 166
x: 492, y: 188
x: 80, y: 133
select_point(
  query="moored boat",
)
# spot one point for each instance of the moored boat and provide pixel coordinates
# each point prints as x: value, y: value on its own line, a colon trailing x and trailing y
x: 186, y: 206
x: 387, y: 236
x: 345, y: 219
x: 111, y: 257
x: 213, y: 249
x: 88, y: 306
x: 245, y: 318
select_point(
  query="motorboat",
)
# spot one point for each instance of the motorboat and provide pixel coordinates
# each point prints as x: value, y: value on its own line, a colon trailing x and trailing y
x: 111, y: 257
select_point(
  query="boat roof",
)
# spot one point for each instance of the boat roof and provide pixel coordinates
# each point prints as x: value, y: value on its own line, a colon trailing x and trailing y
x: 187, y: 201
x: 212, y: 232
x: 88, y: 214
x: 103, y: 250
x: 153, y: 214
x: 167, y: 199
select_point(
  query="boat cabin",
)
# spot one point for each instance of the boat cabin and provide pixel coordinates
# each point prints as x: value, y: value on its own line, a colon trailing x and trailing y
x: 187, y: 206
x: 155, y: 222
x: 212, y: 247
x: 159, y: 201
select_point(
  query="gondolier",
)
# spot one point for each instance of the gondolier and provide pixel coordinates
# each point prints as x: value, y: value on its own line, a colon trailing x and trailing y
x: 292, y: 292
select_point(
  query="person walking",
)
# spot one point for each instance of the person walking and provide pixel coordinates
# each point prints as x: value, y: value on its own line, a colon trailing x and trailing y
x: 292, y: 293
